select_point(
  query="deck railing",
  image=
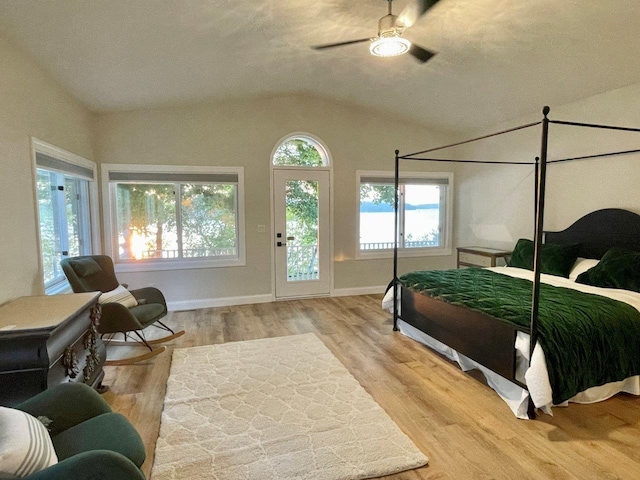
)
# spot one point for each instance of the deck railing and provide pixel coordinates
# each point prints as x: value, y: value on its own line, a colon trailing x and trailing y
x: 302, y: 262
x: 189, y: 253
x: 435, y: 242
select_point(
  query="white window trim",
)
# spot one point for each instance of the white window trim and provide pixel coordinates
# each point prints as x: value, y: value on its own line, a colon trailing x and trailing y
x: 38, y: 146
x: 109, y: 214
x: 446, y: 249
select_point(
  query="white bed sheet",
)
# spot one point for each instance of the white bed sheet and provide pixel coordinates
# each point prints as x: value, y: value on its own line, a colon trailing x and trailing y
x: 534, y: 373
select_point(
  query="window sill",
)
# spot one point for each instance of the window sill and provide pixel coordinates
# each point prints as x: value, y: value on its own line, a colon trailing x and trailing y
x: 409, y: 253
x: 150, y: 266
x: 58, y: 289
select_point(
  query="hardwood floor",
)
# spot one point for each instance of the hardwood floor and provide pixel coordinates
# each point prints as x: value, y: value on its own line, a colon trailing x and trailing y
x: 458, y: 422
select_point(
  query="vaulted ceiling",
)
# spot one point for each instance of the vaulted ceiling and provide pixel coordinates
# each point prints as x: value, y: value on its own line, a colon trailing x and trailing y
x: 497, y: 59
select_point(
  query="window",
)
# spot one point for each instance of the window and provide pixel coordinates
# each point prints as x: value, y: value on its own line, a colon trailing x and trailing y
x: 424, y: 213
x: 64, y: 188
x: 170, y: 217
x: 300, y: 151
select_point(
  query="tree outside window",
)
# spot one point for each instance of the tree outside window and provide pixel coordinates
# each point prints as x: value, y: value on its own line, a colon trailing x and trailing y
x: 176, y: 220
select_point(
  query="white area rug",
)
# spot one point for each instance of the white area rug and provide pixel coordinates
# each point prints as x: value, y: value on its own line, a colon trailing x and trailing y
x: 277, y: 408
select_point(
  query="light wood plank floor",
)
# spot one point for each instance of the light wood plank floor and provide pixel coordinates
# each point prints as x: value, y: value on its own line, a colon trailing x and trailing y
x: 459, y: 423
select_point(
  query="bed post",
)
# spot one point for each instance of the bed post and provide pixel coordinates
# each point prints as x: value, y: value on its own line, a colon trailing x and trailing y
x: 536, y: 172
x: 540, y: 193
x: 395, y: 246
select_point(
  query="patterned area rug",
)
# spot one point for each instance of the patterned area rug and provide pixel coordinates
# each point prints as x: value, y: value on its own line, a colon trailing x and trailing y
x: 277, y: 408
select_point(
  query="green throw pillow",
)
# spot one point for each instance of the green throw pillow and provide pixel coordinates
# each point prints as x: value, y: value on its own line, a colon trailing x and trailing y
x: 619, y: 268
x: 556, y: 259
x: 85, y: 266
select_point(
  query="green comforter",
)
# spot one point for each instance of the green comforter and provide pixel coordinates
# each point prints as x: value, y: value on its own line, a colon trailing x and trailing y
x: 588, y: 340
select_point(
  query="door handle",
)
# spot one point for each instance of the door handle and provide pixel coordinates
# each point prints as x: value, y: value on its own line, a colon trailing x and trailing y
x: 291, y: 238
x: 281, y: 244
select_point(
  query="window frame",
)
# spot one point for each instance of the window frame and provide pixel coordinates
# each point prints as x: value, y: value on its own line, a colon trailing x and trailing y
x: 69, y: 162
x: 110, y: 217
x: 446, y: 216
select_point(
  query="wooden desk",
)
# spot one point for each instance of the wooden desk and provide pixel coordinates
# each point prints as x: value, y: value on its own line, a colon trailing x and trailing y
x: 46, y: 340
x: 480, y: 256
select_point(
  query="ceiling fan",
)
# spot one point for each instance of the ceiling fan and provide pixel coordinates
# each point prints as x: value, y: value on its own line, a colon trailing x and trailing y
x: 390, y: 42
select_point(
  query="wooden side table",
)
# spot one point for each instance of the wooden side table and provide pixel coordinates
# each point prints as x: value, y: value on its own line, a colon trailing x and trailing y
x: 480, y: 256
x: 46, y: 340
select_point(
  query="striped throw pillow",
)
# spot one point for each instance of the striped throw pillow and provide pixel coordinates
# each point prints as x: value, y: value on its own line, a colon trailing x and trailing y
x: 119, y: 295
x: 25, y: 444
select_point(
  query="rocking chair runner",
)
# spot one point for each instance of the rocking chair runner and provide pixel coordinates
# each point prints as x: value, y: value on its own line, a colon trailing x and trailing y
x: 92, y: 273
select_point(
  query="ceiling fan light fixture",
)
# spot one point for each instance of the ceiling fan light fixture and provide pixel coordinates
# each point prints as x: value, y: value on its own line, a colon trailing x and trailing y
x: 389, y: 46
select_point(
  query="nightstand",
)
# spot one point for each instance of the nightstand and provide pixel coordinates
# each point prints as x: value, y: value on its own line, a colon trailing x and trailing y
x: 480, y: 256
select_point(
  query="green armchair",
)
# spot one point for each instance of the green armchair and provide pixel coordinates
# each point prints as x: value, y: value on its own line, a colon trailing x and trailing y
x: 90, y: 273
x: 91, y: 441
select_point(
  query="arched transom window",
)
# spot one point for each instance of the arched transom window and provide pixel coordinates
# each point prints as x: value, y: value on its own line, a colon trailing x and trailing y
x: 300, y: 151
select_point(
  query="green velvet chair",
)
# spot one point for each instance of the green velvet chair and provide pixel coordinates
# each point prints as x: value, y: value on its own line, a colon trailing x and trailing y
x: 91, y: 441
x: 90, y: 273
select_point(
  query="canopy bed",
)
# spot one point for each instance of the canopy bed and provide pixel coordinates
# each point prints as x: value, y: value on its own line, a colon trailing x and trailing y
x: 540, y: 338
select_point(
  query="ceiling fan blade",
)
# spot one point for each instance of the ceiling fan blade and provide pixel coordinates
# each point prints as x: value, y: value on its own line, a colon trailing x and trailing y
x: 421, y: 54
x: 340, y: 44
x: 414, y: 11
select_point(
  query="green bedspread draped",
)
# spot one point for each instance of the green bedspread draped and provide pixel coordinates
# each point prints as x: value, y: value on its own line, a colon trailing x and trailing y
x: 588, y: 340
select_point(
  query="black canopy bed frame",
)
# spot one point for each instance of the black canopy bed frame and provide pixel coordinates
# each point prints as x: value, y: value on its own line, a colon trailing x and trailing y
x: 477, y: 335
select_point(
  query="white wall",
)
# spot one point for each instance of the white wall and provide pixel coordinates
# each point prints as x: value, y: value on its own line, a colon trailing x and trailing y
x: 495, y: 204
x: 244, y: 133
x: 31, y: 105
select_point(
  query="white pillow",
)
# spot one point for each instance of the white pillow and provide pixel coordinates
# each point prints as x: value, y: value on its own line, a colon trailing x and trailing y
x: 119, y: 295
x: 581, y: 266
x: 25, y: 444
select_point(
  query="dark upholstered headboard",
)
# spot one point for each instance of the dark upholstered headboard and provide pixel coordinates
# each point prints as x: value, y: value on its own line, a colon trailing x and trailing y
x: 599, y: 231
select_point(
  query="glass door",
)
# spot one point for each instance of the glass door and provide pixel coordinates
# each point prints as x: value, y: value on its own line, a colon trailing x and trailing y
x: 302, y: 236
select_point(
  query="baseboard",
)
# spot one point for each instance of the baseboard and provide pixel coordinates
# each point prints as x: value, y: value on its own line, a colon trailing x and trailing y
x: 217, y: 302
x: 345, y: 292
x: 246, y: 300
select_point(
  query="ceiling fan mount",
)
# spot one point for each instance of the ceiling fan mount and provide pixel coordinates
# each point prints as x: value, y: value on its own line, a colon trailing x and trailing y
x: 389, y: 21
x: 389, y: 42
